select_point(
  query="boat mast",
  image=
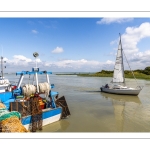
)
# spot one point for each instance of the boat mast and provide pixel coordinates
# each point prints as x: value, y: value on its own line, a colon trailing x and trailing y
x: 35, y: 70
x: 122, y: 58
x: 2, y: 67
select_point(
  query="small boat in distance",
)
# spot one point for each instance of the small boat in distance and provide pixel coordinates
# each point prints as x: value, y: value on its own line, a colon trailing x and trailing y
x: 118, y: 82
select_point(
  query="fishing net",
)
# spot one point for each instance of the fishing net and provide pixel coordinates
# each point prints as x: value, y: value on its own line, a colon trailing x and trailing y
x: 9, y: 121
x: 2, y: 105
x: 12, y: 124
x: 4, y: 114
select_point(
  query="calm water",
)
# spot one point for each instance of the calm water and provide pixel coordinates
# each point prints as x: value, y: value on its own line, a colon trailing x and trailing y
x: 93, y: 111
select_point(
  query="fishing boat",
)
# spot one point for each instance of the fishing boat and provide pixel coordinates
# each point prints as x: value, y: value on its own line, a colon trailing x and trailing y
x: 118, y: 85
x: 37, y: 103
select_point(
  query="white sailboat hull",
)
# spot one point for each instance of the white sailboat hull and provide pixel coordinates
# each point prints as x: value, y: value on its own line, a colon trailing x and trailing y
x: 126, y: 91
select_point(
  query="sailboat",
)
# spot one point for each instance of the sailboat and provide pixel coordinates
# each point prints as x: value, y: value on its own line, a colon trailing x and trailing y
x: 118, y: 80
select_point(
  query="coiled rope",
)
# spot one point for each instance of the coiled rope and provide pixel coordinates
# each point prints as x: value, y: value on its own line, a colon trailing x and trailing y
x: 44, y: 88
x: 29, y: 89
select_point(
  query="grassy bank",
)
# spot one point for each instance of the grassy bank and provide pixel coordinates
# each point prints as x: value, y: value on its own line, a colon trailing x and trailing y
x: 127, y: 75
x: 139, y: 74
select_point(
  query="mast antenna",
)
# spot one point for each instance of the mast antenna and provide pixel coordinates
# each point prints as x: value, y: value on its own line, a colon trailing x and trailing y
x: 35, y: 54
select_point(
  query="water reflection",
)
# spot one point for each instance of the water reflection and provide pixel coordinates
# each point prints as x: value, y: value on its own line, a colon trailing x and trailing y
x: 123, y: 98
x: 125, y: 108
x: 61, y: 125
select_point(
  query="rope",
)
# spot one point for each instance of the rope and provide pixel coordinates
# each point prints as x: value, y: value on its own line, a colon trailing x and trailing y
x: 28, y: 89
x: 44, y: 88
x: 131, y: 70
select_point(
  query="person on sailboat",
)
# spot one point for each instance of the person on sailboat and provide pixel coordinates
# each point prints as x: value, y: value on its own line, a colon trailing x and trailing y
x: 106, y: 86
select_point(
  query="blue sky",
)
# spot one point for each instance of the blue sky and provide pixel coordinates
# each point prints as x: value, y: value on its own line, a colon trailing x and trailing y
x: 73, y: 44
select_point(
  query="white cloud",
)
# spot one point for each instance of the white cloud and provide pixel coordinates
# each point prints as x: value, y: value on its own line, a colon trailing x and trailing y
x: 114, y: 42
x: 130, y: 39
x: 21, y: 58
x: 35, y: 32
x: 38, y: 60
x: 81, y: 65
x: 5, y: 59
x: 20, y: 62
x: 133, y: 35
x: 140, y: 60
x: 58, y: 50
x: 113, y: 20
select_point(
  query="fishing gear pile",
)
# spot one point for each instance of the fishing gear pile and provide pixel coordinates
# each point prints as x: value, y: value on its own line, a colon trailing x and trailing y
x: 10, y: 121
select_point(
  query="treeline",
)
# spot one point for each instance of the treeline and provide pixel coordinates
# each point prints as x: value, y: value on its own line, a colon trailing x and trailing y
x: 146, y: 71
x: 139, y: 74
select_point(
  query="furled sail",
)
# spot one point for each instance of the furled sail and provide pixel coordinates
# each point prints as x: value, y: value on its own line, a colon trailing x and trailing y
x: 118, y: 75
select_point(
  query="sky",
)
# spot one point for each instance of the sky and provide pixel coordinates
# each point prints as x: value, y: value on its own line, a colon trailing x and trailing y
x: 73, y: 44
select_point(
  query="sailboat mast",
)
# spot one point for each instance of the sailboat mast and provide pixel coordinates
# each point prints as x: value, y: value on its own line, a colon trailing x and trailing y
x: 122, y: 57
x: 2, y: 66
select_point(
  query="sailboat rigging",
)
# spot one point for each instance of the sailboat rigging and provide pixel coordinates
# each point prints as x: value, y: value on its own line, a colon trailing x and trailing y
x: 119, y: 77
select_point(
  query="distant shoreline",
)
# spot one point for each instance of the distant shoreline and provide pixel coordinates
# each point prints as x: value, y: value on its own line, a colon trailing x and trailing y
x: 137, y: 75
